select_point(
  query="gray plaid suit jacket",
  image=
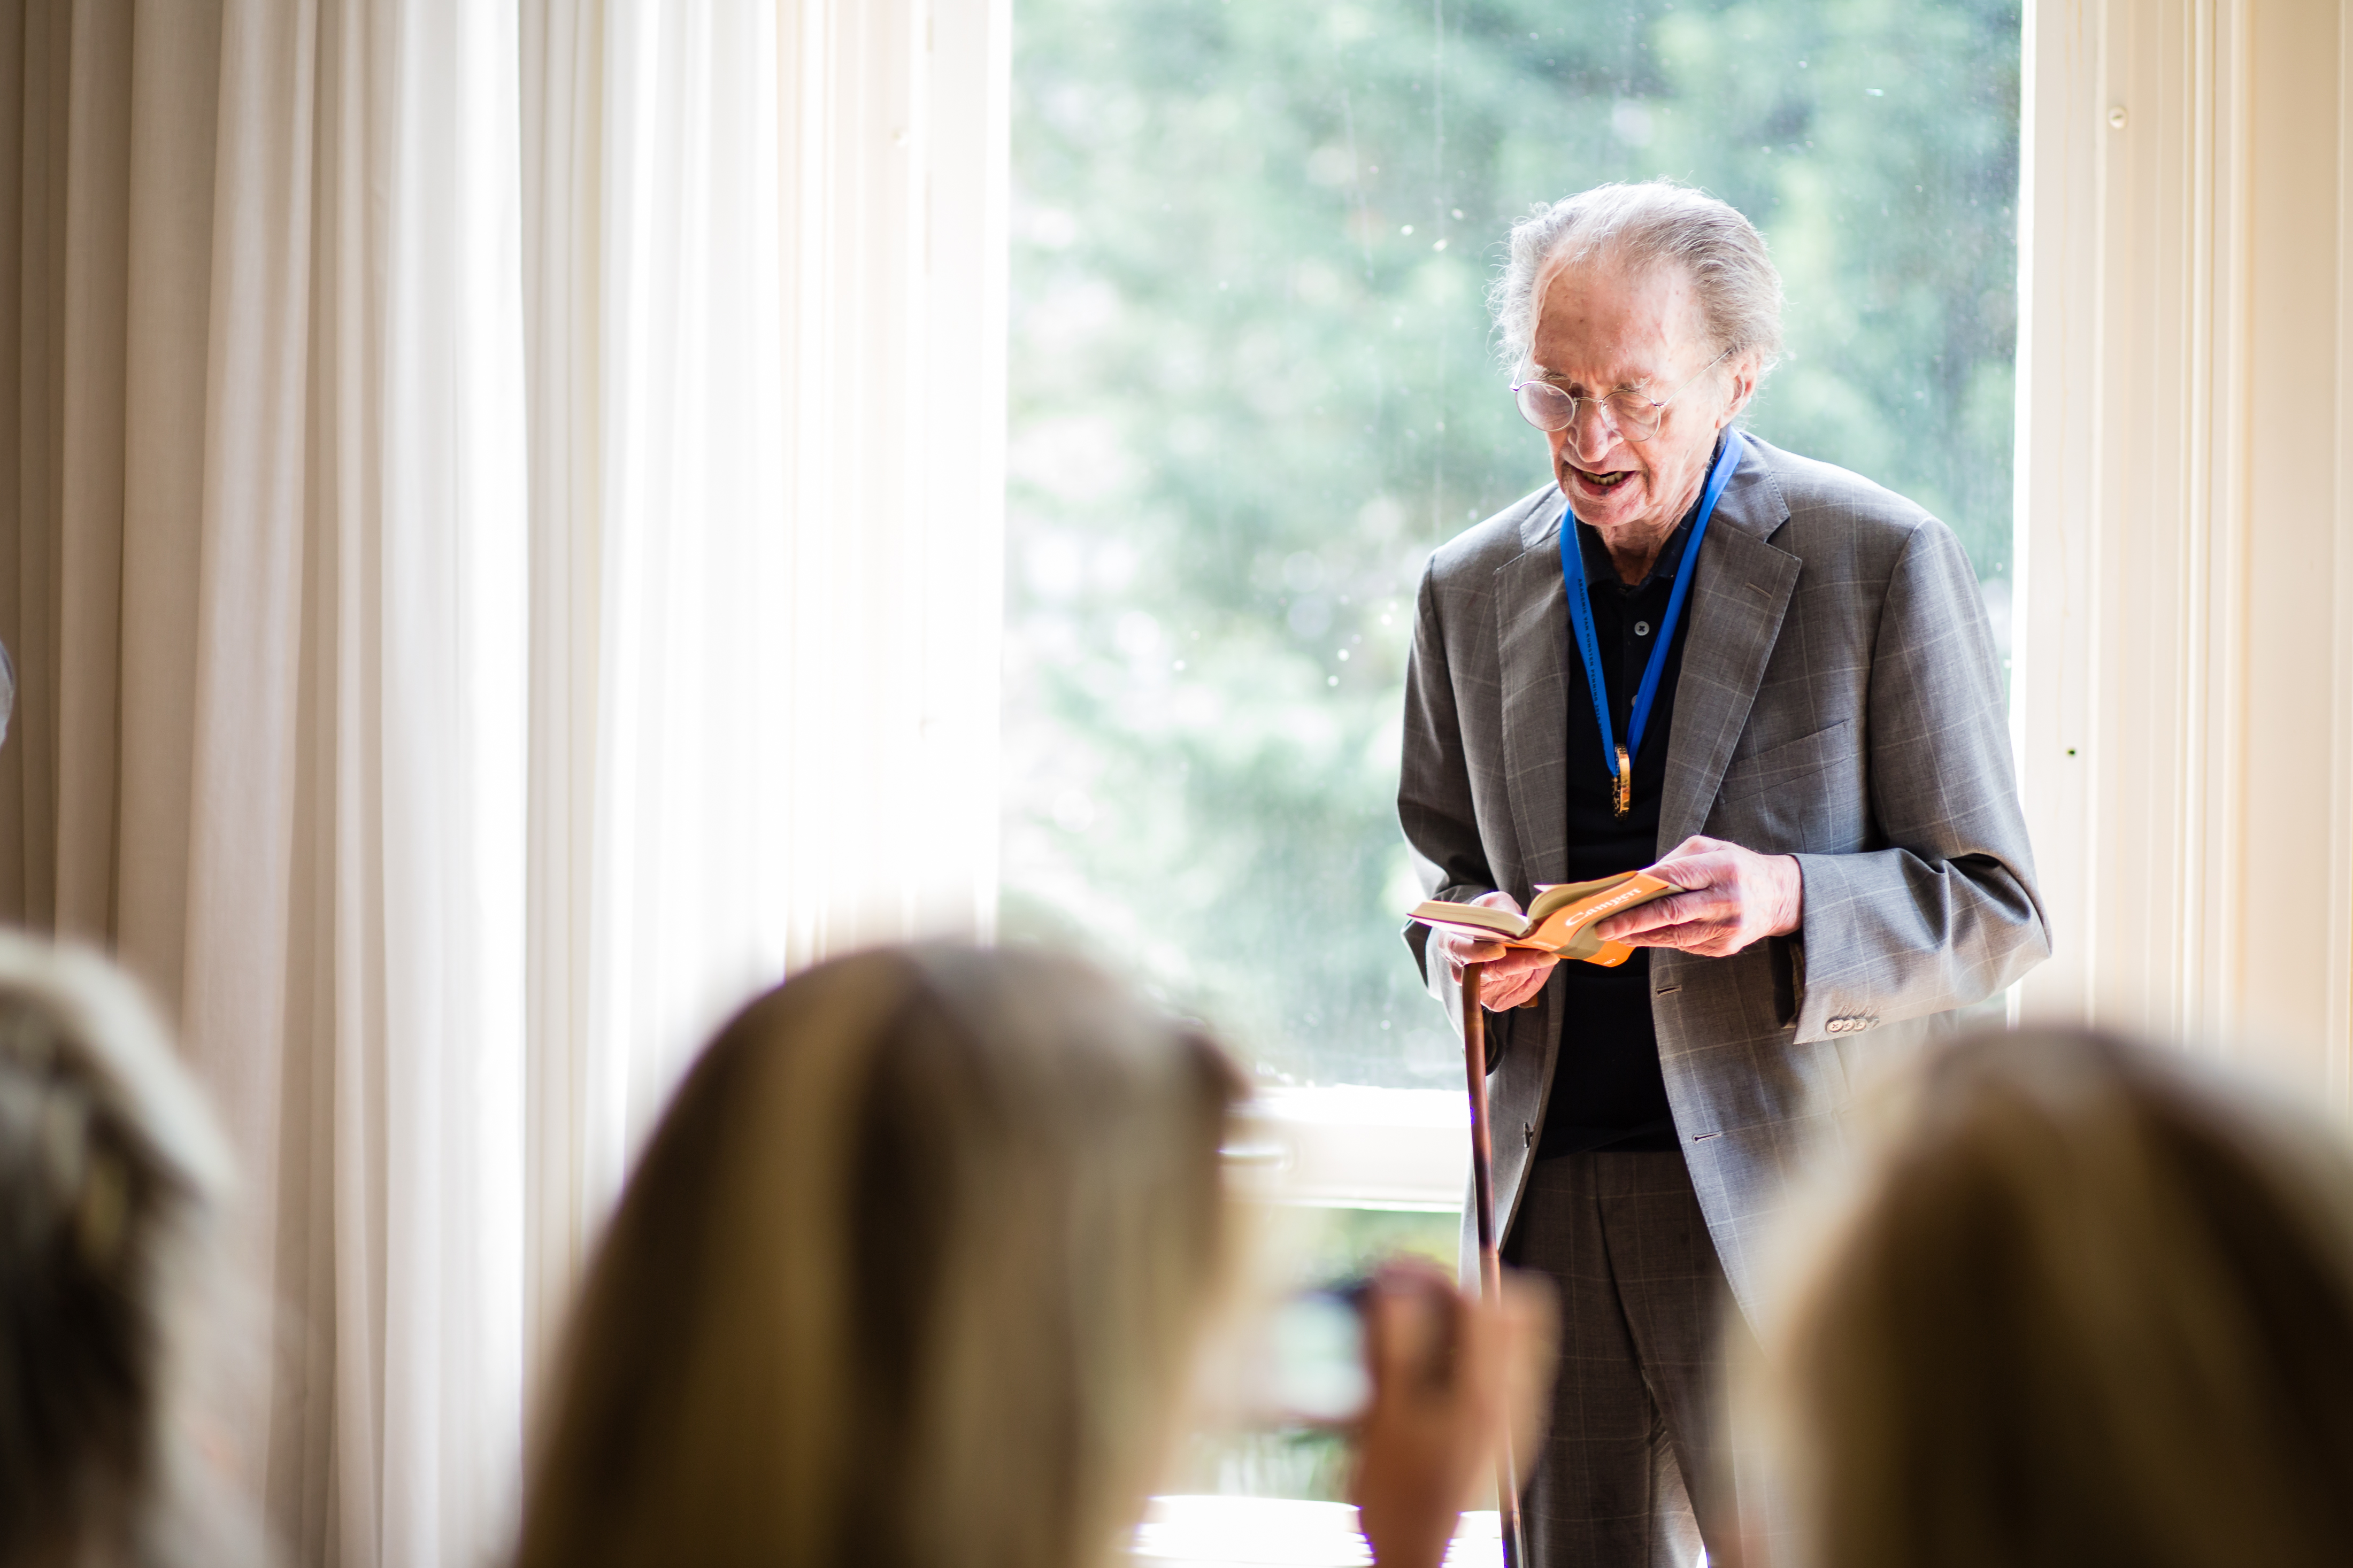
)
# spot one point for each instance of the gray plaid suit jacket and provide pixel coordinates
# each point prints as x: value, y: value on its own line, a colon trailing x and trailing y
x: 1839, y: 700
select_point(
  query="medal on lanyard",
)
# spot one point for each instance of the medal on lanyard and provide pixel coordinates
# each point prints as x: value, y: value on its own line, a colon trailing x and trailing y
x: 1619, y: 760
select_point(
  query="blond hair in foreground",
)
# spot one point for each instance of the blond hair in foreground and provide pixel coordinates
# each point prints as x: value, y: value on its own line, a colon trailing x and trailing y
x: 911, y: 1273
x: 2091, y: 1307
x: 112, y: 1180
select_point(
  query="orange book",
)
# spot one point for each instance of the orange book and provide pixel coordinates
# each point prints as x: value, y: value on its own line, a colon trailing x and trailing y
x: 1560, y: 918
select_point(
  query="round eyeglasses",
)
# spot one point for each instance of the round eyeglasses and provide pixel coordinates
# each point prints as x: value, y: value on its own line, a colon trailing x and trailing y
x: 1633, y: 415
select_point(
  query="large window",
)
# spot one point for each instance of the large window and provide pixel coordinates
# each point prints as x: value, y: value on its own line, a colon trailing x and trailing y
x: 1253, y: 386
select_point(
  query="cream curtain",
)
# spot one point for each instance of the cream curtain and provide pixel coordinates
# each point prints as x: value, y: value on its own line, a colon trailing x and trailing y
x: 766, y: 302
x: 500, y: 545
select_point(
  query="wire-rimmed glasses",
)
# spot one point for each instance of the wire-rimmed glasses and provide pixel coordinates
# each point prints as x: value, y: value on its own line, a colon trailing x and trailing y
x: 1632, y: 414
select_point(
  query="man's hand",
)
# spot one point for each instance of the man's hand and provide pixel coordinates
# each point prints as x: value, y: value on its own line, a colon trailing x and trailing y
x: 1514, y: 973
x: 1735, y: 897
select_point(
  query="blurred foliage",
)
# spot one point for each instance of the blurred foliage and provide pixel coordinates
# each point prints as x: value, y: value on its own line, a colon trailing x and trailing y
x: 1253, y: 384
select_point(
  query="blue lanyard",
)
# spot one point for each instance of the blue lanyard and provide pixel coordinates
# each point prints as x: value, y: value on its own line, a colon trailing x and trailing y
x: 1619, y: 759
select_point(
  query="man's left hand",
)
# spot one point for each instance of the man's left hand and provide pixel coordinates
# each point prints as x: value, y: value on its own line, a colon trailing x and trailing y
x: 1733, y: 897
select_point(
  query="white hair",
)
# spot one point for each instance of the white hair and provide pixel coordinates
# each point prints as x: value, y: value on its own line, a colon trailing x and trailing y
x: 114, y: 1186
x: 1656, y: 222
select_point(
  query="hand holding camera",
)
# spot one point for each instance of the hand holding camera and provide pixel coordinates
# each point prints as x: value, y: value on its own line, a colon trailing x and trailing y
x: 1450, y: 1376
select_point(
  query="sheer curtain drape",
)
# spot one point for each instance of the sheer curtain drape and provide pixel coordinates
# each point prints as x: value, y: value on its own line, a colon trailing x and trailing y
x: 766, y: 282
x: 499, y: 527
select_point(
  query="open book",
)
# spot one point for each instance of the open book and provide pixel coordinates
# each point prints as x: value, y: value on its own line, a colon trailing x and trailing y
x: 1560, y: 918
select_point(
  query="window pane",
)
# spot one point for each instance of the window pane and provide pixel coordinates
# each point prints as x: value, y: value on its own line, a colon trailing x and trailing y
x: 1253, y: 386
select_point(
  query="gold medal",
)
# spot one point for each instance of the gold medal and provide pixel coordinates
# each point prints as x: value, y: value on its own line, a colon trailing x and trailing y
x: 1625, y: 783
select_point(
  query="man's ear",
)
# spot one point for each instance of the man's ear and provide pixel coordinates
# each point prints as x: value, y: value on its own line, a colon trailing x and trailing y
x: 1743, y: 387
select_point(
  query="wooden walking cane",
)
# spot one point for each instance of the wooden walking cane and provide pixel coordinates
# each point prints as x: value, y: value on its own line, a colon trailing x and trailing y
x: 1491, y: 1266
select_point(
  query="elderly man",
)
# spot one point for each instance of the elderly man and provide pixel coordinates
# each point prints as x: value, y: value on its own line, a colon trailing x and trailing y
x: 1780, y: 675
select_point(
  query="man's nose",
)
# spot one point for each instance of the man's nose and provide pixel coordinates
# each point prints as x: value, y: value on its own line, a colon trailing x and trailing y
x: 1590, y: 432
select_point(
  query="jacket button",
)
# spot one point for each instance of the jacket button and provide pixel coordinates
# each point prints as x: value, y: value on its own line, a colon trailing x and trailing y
x: 1527, y: 1133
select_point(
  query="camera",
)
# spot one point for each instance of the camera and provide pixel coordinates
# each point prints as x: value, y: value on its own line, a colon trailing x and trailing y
x: 1316, y: 1374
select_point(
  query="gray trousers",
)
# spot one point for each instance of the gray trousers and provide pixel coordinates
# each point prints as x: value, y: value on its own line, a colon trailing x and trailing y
x: 1636, y: 1469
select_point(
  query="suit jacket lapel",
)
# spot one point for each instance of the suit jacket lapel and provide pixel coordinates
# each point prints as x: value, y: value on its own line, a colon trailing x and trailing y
x: 1739, y: 592
x: 1532, y: 635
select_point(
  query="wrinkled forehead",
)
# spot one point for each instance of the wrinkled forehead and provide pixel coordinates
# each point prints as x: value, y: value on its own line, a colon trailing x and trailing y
x: 1606, y: 318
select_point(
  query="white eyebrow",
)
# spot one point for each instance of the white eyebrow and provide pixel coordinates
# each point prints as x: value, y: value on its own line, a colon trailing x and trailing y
x: 1545, y: 374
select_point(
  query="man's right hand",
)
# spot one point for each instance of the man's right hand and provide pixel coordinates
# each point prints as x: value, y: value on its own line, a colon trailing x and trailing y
x: 1514, y: 973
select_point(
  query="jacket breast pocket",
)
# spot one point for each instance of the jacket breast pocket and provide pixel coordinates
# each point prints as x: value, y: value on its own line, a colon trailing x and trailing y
x: 1809, y: 795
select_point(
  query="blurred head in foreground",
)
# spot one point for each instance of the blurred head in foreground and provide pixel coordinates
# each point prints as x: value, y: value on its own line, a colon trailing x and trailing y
x: 911, y: 1273
x: 2091, y: 1307
x: 112, y: 1174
